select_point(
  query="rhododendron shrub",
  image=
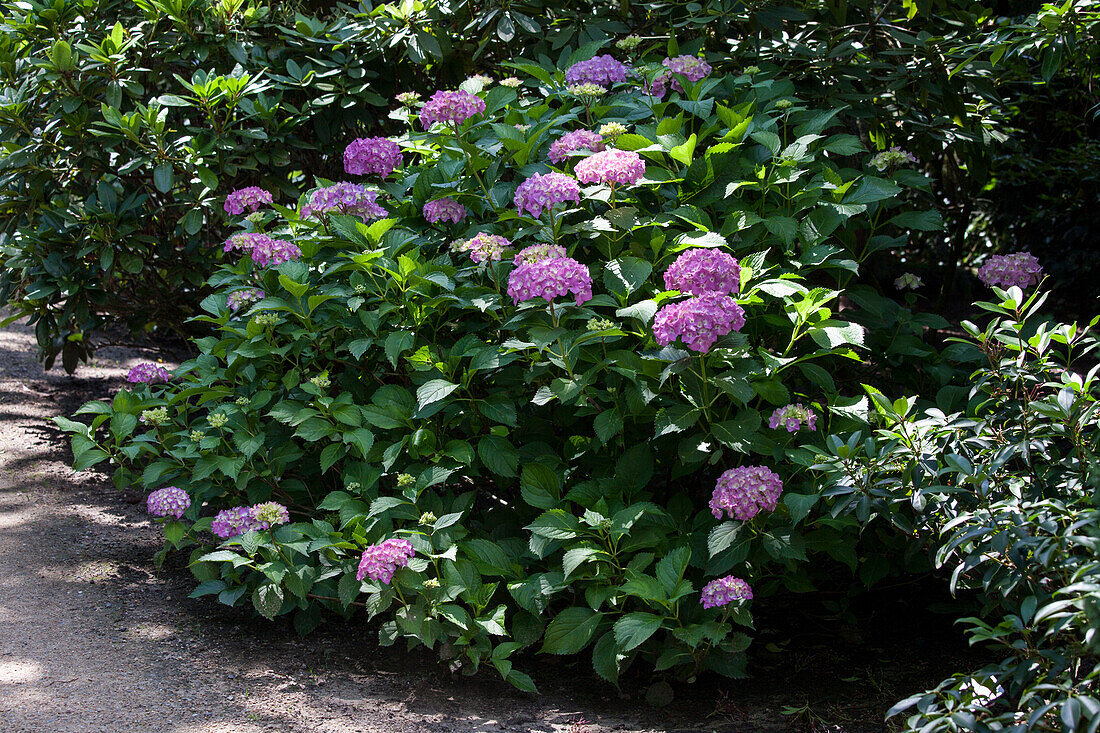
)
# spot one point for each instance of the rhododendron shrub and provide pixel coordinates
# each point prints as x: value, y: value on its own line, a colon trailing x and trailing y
x: 515, y: 392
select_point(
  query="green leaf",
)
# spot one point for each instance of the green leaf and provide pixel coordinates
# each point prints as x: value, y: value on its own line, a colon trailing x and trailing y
x: 555, y: 524
x: 671, y: 568
x: 576, y: 557
x: 398, y: 342
x: 684, y: 153
x: 268, y: 599
x: 606, y: 658
x: 540, y: 486
x: 433, y: 391
x: 571, y: 630
x: 925, y: 221
x: 162, y: 177
x: 722, y: 537
x: 498, y: 455
x: 632, y: 630
x: 347, y: 589
x: 626, y: 274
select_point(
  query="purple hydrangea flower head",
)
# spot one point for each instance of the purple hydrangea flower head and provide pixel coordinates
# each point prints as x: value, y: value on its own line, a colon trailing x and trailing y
x: 611, y: 166
x: 550, y: 278
x: 539, y: 252
x: 352, y: 199
x: 269, y: 514
x: 264, y: 250
x: 232, y: 522
x: 745, y: 491
x: 450, y: 107
x: 381, y: 561
x: 444, y: 210
x: 372, y: 156
x: 704, y: 270
x: 792, y: 416
x: 698, y: 321
x: 147, y: 373
x: 542, y: 191
x: 691, y: 67
x: 602, y: 70
x: 252, y: 198
x: 240, y: 298
x: 1018, y: 269
x: 483, y: 247
x: 168, y: 502
x: 724, y: 591
x: 571, y: 141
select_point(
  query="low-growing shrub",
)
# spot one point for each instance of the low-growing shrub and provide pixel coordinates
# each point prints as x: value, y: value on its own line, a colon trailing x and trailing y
x: 542, y: 382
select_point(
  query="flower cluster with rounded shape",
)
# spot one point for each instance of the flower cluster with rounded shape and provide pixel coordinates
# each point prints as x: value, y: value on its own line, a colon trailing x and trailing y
x: 704, y: 270
x: 623, y: 167
x: 573, y: 141
x: 724, y: 591
x: 892, y: 158
x: 698, y: 321
x: 744, y: 492
x: 379, y: 562
x: 263, y: 250
x: 444, y: 210
x: 539, y: 252
x: 543, y: 191
x: 168, y: 502
x: 240, y: 519
x: 240, y: 298
x: 602, y: 70
x: 549, y: 279
x: 147, y: 373
x: 269, y: 514
x: 252, y: 198
x: 792, y: 417
x: 450, y: 108
x: 484, y: 247
x: 1020, y: 269
x: 692, y: 68
x: 367, y: 156
x: 352, y: 199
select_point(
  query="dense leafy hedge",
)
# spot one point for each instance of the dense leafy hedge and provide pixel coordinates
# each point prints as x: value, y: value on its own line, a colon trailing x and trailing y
x: 550, y: 463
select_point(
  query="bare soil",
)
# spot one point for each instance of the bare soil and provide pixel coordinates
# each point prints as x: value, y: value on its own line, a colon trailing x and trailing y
x: 93, y: 638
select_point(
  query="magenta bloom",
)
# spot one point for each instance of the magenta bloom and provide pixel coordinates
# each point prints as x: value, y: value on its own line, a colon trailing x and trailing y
x: 692, y: 68
x: 263, y: 250
x: 269, y: 514
x: 611, y: 166
x: 381, y: 561
x: 703, y: 270
x: 483, y: 247
x: 792, y: 416
x: 602, y: 70
x: 745, y: 491
x: 1019, y: 269
x: 444, y: 210
x: 147, y: 374
x: 549, y: 279
x: 571, y: 141
x: 352, y: 199
x: 232, y: 522
x: 542, y: 191
x: 450, y: 107
x: 372, y: 156
x: 722, y: 592
x: 539, y: 252
x: 168, y: 502
x: 252, y: 198
x: 698, y: 321
x: 240, y: 298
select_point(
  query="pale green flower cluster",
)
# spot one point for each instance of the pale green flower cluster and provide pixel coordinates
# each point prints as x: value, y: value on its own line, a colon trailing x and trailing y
x: 155, y: 416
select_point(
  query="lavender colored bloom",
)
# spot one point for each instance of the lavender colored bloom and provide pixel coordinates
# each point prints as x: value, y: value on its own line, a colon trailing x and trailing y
x: 891, y: 158
x: 352, y: 199
x: 692, y: 68
x: 450, y: 107
x: 724, y: 591
x: 381, y: 561
x: 372, y: 156
x: 168, y: 502
x: 483, y: 247
x: 252, y: 198
x: 263, y: 250
x: 602, y: 70
x: 542, y: 191
x: 232, y: 522
x: 550, y: 278
x: 147, y: 374
x: 703, y: 270
x: 571, y: 141
x: 792, y: 416
x: 698, y: 321
x: 745, y: 491
x: 269, y: 514
x: 539, y: 252
x: 240, y: 298
x: 611, y: 166
x: 444, y: 210
x: 1018, y: 269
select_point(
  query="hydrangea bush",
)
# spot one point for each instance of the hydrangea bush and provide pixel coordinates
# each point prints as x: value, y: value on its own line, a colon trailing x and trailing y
x: 500, y: 402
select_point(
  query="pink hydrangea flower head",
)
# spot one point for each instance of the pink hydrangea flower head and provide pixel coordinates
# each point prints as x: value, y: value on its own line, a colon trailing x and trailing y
x: 550, y: 278
x: 539, y: 252
x: 724, y: 591
x: 269, y: 514
x: 252, y: 198
x: 381, y: 561
x: 698, y: 321
x: 602, y: 70
x: 484, y: 247
x: 147, y: 373
x: 542, y: 191
x: 792, y: 416
x: 263, y: 250
x: 450, y: 107
x: 352, y: 199
x: 571, y: 141
x: 691, y: 67
x: 444, y: 210
x: 372, y: 156
x: 240, y: 298
x: 232, y: 522
x: 1019, y: 269
x: 744, y: 492
x: 623, y: 167
x: 704, y: 270
x: 168, y: 502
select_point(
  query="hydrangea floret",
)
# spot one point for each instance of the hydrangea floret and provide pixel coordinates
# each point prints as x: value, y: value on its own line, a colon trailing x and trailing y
x: 446, y: 209
x: 744, y: 492
x: 892, y: 158
x: 692, y: 68
x: 704, y: 270
x: 240, y: 298
x: 352, y: 199
x: 232, y: 522
x: 217, y: 420
x: 1020, y: 269
x: 452, y: 108
x: 542, y: 191
x: 539, y: 252
x: 908, y: 281
x: 698, y: 321
x: 511, y: 82
x: 381, y: 561
x: 252, y: 198
x: 792, y: 417
x: 586, y: 90
x: 168, y: 502
x: 263, y: 250
x: 612, y: 129
x: 549, y: 279
x: 602, y: 70
x: 629, y: 43
x: 623, y: 167
x: 573, y: 141
x: 408, y: 99
x: 724, y: 591
x: 269, y: 514
x: 483, y: 247
x: 154, y: 416
x: 147, y: 373
x: 367, y: 156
